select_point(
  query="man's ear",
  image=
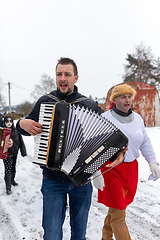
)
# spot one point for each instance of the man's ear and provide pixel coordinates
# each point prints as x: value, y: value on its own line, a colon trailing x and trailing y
x: 76, y: 78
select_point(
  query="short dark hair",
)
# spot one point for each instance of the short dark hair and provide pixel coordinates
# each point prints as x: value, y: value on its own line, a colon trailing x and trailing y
x: 66, y: 61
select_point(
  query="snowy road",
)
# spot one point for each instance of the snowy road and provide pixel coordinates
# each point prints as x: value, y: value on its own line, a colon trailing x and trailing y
x: 21, y: 212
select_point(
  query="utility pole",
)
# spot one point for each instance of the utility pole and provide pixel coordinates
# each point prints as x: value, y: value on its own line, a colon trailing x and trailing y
x: 9, y: 95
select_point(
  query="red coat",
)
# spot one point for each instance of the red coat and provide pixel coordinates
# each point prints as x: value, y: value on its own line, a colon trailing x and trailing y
x: 120, y: 185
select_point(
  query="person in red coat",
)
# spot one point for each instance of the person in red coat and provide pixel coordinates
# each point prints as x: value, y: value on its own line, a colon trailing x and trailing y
x: 121, y: 181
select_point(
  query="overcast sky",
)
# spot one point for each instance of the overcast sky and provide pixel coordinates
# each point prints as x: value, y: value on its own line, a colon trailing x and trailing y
x: 97, y: 34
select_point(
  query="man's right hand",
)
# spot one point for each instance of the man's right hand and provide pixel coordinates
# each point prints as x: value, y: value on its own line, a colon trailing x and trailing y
x: 119, y: 158
x: 30, y: 126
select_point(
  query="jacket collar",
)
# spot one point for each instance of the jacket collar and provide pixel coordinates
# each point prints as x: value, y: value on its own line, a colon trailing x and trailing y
x: 71, y: 97
x: 120, y: 112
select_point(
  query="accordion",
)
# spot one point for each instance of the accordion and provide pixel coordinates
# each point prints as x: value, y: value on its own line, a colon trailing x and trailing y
x: 76, y: 140
x: 5, y: 134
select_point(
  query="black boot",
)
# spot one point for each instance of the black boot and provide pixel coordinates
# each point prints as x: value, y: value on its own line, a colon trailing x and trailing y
x: 8, y: 184
x: 13, y: 182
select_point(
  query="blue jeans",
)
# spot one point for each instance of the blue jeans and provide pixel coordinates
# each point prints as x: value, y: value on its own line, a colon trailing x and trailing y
x: 54, y: 208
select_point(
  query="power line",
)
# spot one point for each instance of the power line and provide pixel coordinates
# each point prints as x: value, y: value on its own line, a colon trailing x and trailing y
x: 21, y: 87
x: 9, y: 94
x: 16, y: 86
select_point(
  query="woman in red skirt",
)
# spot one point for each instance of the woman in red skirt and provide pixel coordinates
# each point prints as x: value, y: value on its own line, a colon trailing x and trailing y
x: 121, y: 181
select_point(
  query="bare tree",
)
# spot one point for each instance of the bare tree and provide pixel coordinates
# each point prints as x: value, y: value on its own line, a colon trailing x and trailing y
x: 46, y: 85
x: 2, y: 99
x: 24, y: 108
x: 142, y: 67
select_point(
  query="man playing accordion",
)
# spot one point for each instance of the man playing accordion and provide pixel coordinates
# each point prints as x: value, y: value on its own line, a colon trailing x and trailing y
x: 56, y: 185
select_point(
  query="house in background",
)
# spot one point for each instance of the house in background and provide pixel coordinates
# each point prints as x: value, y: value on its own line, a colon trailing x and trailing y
x: 146, y: 103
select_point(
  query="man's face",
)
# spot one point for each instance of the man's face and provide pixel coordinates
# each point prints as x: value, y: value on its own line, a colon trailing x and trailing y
x: 65, y: 79
x: 124, y: 102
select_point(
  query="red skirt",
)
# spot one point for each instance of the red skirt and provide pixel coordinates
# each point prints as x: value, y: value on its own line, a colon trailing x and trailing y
x: 120, y: 185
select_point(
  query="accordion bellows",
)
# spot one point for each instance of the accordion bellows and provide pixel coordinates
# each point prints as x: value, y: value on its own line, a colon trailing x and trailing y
x: 76, y: 140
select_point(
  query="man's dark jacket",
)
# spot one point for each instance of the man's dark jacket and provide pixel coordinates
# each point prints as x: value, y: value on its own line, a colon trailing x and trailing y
x: 34, y: 115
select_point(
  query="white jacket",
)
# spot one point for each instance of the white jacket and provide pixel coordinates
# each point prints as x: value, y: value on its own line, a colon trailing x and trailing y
x: 138, y: 138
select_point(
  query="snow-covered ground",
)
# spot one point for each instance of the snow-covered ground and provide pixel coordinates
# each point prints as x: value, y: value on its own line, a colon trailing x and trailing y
x: 21, y: 212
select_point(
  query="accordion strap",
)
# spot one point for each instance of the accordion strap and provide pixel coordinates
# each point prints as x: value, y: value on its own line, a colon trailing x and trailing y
x: 53, y: 97
x: 79, y: 100
x: 91, y: 179
x: 57, y: 100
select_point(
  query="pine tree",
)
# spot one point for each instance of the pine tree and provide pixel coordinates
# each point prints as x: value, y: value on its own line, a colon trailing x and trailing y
x: 142, y: 67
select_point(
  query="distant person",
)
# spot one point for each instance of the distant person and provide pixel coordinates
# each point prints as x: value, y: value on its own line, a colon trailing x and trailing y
x: 121, y: 181
x: 10, y: 161
x: 1, y: 120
